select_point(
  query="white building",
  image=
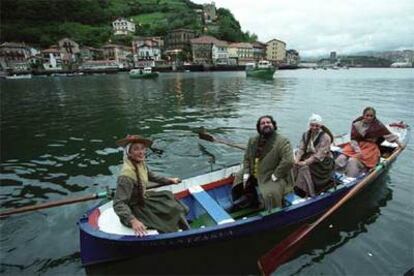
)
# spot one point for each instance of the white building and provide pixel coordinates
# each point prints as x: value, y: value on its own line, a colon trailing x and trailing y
x: 122, y: 26
x: 219, y: 53
x: 52, y: 59
x: 146, y: 51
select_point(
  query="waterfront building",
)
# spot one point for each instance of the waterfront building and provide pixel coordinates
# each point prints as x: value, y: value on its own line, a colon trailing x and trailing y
x: 52, y: 60
x: 69, y: 51
x: 90, y: 53
x: 209, y: 50
x: 276, y: 51
x: 292, y: 57
x: 99, y: 65
x: 14, y: 57
x: 397, y: 56
x: 122, y: 26
x: 240, y: 53
x: 146, y: 51
x: 220, y: 55
x: 121, y: 54
x: 259, y: 50
x: 177, y: 43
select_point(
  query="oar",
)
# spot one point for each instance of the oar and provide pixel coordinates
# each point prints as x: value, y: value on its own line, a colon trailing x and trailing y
x: 7, y: 213
x: 108, y: 193
x: 283, y: 251
x: 202, y: 134
x: 157, y: 151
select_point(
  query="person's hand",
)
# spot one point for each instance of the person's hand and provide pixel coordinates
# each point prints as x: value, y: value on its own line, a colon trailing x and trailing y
x: 301, y: 163
x: 358, y: 155
x: 175, y: 180
x: 139, y: 228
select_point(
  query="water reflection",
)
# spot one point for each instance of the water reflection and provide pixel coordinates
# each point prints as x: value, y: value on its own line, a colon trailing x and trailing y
x: 58, y: 140
x: 352, y: 220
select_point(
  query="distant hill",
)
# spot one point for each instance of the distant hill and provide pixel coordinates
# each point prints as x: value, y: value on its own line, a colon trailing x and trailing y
x: 44, y: 22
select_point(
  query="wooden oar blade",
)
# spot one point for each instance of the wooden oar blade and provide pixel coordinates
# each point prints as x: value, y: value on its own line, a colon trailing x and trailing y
x: 283, y: 251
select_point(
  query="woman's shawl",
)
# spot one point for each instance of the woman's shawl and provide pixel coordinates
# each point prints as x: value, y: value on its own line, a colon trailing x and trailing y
x: 375, y: 130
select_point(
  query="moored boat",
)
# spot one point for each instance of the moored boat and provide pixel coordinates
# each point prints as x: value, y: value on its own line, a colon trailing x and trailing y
x: 103, y: 238
x: 145, y: 73
x: 19, y: 77
x: 264, y: 69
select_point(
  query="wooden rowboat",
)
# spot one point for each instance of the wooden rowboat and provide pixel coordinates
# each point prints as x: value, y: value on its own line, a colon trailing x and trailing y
x: 103, y: 238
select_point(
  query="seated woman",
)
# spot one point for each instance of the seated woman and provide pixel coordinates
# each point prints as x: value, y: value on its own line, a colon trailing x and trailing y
x: 313, y: 161
x: 137, y: 207
x: 362, y: 152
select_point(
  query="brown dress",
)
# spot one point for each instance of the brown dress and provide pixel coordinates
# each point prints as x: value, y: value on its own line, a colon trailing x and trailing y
x: 313, y: 177
x: 155, y: 209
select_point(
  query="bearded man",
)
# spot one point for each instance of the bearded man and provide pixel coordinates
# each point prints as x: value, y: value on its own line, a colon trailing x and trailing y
x: 266, y: 174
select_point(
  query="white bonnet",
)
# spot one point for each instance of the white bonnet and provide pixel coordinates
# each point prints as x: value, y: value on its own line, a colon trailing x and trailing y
x: 315, y: 119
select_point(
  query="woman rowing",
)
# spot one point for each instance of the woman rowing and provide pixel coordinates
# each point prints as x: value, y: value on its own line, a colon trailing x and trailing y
x: 138, y: 207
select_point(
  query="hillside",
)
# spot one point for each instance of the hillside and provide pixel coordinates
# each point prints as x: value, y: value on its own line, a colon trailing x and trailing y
x: 43, y: 22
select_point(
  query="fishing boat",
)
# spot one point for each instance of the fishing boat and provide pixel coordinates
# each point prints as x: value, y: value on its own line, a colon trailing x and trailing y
x: 264, y: 69
x: 103, y: 238
x: 19, y: 77
x: 145, y: 73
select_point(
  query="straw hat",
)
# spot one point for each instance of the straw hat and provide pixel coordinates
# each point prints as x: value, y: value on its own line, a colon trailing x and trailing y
x: 133, y: 139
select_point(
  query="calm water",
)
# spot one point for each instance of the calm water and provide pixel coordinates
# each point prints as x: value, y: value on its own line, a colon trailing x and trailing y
x: 57, y: 141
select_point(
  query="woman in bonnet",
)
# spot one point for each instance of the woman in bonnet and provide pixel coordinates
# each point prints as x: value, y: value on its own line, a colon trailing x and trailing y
x: 314, y: 162
x: 143, y: 209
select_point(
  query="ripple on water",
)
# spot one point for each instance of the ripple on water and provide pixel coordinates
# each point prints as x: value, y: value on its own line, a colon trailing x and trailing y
x: 76, y: 120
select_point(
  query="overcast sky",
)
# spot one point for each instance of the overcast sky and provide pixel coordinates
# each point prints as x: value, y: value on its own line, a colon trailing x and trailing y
x: 317, y: 27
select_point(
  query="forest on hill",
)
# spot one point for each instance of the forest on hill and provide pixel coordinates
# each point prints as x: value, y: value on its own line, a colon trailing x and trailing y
x: 43, y: 22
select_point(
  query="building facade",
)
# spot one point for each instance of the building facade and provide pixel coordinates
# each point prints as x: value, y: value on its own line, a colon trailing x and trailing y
x: 14, y: 57
x: 122, y: 26
x: 90, y: 53
x: 209, y: 50
x: 292, y: 57
x: 276, y: 51
x: 240, y: 53
x: 52, y: 60
x: 179, y: 39
x: 259, y: 51
x: 122, y: 55
x: 69, y: 51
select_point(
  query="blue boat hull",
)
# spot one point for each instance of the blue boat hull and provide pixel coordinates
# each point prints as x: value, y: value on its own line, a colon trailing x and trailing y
x: 97, y: 246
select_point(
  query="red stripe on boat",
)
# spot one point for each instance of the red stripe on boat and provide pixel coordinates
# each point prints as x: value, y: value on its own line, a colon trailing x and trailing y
x: 93, y: 218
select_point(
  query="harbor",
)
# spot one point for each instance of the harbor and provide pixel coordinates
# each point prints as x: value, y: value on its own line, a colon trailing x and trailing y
x: 59, y: 142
